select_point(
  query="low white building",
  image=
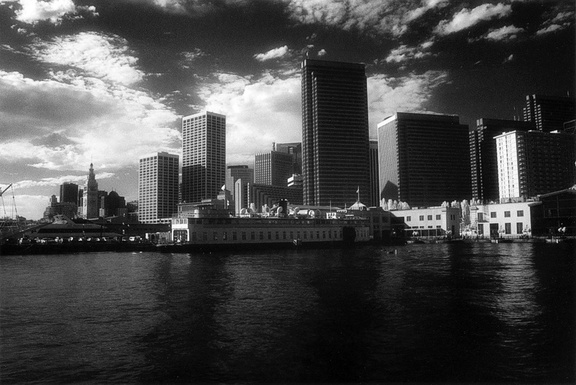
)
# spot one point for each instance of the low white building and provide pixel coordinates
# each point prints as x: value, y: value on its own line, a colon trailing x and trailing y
x: 431, y: 221
x: 504, y: 220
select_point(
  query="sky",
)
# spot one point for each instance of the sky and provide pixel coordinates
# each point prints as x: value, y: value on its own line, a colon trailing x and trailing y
x: 108, y: 81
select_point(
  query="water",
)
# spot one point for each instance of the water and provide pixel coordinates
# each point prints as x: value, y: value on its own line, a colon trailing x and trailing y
x: 428, y: 313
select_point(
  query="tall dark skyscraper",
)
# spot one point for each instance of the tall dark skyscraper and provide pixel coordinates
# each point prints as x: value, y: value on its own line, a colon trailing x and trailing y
x: 69, y: 193
x: 335, y: 140
x: 374, y: 176
x: 203, y: 156
x: 549, y: 113
x: 483, y: 163
x: 423, y: 159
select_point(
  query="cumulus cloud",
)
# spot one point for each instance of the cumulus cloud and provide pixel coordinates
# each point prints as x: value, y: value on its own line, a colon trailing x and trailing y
x: 375, y: 17
x: 388, y: 95
x: 112, y: 126
x: 54, y: 11
x: 467, y: 18
x: 107, y: 57
x: 405, y: 53
x: 509, y: 32
x: 275, y: 53
x: 426, y: 6
x: 258, y: 111
x: 558, y: 22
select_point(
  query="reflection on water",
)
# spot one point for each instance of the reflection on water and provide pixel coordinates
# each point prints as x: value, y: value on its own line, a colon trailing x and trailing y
x: 445, y: 312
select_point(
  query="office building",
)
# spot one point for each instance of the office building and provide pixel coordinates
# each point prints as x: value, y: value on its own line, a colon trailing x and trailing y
x: 273, y: 168
x: 335, y: 164
x: 374, y: 177
x: 534, y: 162
x: 260, y: 195
x: 203, y: 156
x: 423, y: 159
x: 483, y: 160
x: 69, y: 193
x: 549, y: 113
x: 294, y: 149
x: 237, y: 180
x: 157, y: 187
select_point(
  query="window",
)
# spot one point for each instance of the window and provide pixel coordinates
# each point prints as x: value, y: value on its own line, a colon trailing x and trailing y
x: 421, y: 217
x: 508, y: 228
x: 438, y: 217
x: 520, y: 213
x: 480, y: 217
x: 519, y: 228
x: 506, y: 214
x: 493, y: 214
x: 429, y: 217
x: 408, y: 218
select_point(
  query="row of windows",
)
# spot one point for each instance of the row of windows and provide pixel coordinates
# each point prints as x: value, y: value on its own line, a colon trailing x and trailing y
x: 277, y: 235
x: 507, y: 214
x: 421, y: 217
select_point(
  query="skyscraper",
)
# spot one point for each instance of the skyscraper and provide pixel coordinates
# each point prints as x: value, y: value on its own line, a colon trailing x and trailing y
x: 335, y: 164
x: 483, y: 160
x: 534, y: 162
x: 237, y: 179
x: 69, y: 193
x: 203, y: 156
x: 549, y: 113
x: 294, y: 149
x: 273, y: 168
x: 423, y: 159
x: 374, y: 177
x: 157, y: 187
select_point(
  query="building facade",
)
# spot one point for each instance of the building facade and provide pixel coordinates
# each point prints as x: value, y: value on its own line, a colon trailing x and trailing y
x: 507, y: 220
x: 273, y: 168
x: 374, y: 176
x: 335, y: 162
x: 424, y: 159
x: 430, y: 222
x: 158, y: 187
x: 203, y: 156
x: 69, y: 193
x: 483, y: 156
x: 534, y: 162
x: 237, y: 179
x: 292, y: 148
x: 549, y: 113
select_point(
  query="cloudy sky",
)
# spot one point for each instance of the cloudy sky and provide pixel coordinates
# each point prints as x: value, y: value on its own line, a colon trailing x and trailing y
x: 107, y: 81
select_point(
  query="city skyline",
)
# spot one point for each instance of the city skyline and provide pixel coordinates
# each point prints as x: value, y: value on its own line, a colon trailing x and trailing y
x: 105, y: 82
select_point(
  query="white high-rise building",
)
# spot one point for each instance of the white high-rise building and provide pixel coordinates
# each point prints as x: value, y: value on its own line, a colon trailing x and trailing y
x: 203, y: 156
x: 157, y: 187
x: 508, y: 167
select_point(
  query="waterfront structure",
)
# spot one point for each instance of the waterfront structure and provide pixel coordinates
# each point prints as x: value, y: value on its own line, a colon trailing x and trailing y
x: 157, y: 187
x: 237, y: 179
x: 506, y: 220
x: 273, y: 168
x: 295, y: 149
x: 69, y: 193
x: 203, y: 156
x: 555, y: 213
x: 534, y: 162
x: 374, y: 176
x: 423, y: 159
x: 430, y: 222
x: 89, y: 207
x: 483, y: 156
x: 549, y: 113
x: 335, y: 163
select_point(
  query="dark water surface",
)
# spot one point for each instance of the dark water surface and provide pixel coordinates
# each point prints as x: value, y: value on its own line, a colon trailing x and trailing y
x: 429, y: 313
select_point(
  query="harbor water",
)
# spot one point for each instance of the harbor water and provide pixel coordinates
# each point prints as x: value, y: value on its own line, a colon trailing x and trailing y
x: 456, y: 313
